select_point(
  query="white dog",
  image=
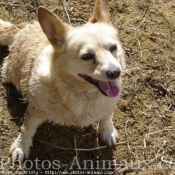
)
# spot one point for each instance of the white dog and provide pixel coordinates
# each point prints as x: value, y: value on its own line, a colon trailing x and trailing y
x: 69, y: 75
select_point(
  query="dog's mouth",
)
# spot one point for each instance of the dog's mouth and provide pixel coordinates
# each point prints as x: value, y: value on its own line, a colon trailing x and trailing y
x: 107, y: 88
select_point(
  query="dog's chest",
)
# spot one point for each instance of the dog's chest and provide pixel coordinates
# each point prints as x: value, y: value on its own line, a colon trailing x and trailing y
x: 70, y: 109
x: 81, y: 112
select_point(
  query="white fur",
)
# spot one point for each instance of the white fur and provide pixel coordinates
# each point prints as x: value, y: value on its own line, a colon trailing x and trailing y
x: 5, y: 23
x: 44, y: 63
x: 47, y: 74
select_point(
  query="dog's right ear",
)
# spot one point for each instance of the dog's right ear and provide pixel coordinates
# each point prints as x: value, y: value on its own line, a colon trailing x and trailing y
x: 53, y: 27
x: 100, y: 12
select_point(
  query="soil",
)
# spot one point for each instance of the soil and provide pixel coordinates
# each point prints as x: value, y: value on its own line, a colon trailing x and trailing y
x: 145, y: 114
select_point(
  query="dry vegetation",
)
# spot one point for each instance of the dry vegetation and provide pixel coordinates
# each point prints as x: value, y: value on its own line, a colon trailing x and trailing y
x: 145, y: 115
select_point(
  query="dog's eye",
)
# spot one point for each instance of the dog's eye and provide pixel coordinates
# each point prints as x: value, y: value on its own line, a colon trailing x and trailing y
x: 113, y: 48
x: 88, y: 56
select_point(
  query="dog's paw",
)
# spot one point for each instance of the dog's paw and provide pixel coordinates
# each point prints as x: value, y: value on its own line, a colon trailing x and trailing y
x: 19, y: 150
x: 109, y: 136
x: 17, y: 154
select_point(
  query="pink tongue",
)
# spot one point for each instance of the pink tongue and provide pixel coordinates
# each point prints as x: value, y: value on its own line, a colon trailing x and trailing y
x: 110, y: 88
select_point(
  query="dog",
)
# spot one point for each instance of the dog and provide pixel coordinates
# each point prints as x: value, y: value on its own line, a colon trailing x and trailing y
x: 69, y: 75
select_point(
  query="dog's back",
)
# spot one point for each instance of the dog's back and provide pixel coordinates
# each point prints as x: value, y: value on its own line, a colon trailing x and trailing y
x: 25, y: 41
x: 8, y: 32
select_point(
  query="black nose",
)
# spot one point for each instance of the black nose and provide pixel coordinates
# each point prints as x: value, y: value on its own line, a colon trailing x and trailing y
x: 113, y: 74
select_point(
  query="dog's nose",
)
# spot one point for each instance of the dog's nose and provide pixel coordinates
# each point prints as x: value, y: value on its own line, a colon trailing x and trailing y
x: 113, y: 74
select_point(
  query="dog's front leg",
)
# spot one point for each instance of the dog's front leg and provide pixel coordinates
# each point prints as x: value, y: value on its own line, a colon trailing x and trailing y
x: 21, y: 146
x: 107, y: 131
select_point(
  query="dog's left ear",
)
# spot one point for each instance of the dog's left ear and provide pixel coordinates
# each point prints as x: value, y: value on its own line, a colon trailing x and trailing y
x: 53, y: 27
x: 101, y: 12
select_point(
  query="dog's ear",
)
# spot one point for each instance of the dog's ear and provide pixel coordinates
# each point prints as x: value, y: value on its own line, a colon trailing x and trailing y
x: 53, y: 27
x: 101, y: 12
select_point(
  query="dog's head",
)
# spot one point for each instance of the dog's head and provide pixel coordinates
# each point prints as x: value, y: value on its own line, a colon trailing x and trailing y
x: 92, y: 54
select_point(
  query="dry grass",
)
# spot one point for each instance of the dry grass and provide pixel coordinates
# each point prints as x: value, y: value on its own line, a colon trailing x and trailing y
x: 145, y: 115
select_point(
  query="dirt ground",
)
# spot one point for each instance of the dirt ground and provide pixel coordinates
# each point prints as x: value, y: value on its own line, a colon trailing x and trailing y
x: 145, y: 114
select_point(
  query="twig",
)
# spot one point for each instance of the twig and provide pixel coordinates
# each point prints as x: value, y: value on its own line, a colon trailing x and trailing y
x: 132, y: 113
x: 144, y: 164
x: 10, y: 4
x: 81, y: 20
x: 15, y: 118
x: 65, y: 8
x: 144, y: 17
x: 134, y: 69
x: 91, y: 149
x: 141, y: 49
x: 87, y: 134
x: 166, y: 129
x: 73, y: 149
x: 139, y: 165
x: 128, y: 145
x: 171, y: 32
x: 162, y: 116
x: 129, y: 140
x: 37, y: 3
x: 102, y: 147
x: 154, y: 67
x: 169, y: 107
x: 75, y: 144
x: 167, y: 162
